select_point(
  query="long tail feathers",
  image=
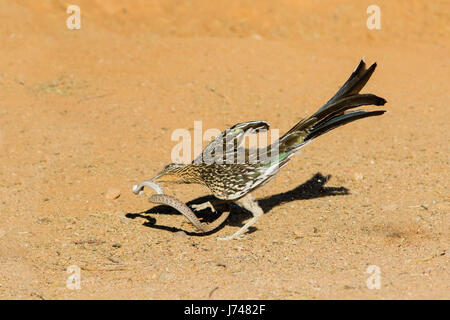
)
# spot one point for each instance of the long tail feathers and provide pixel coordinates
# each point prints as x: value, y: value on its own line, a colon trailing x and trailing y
x: 333, y: 114
x: 340, y: 121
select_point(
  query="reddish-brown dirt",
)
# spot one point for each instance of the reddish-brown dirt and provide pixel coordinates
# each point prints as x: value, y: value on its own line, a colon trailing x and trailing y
x: 83, y: 111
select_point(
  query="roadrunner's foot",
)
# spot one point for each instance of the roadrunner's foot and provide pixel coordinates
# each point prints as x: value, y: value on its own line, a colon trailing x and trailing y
x: 203, y: 206
x: 249, y: 203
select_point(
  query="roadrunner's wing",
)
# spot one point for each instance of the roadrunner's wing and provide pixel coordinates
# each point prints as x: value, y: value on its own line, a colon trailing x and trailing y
x: 227, y: 142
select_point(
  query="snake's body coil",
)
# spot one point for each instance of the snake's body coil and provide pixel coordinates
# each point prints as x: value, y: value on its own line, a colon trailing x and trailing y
x: 173, y: 202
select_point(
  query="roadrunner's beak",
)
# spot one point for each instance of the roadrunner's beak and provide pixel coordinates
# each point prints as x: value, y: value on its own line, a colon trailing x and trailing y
x: 170, y: 174
x: 167, y: 177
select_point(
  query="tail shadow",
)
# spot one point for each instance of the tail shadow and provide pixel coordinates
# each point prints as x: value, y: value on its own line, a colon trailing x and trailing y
x: 311, y: 189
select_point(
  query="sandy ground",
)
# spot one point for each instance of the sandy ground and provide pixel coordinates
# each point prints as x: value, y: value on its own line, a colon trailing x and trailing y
x: 82, y: 111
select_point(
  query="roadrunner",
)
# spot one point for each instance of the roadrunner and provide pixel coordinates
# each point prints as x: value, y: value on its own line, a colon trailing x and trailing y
x: 233, y: 181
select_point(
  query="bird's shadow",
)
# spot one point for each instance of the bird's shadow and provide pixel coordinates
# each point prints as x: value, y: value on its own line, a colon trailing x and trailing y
x: 313, y: 188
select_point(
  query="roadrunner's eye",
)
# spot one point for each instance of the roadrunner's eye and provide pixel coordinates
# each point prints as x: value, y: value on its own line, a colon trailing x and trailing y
x: 169, y: 166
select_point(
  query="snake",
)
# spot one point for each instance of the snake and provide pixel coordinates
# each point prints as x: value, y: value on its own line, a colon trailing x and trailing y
x: 162, y: 198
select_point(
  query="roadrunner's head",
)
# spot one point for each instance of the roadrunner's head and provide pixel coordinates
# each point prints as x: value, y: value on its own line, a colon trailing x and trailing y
x: 170, y: 174
x: 177, y: 173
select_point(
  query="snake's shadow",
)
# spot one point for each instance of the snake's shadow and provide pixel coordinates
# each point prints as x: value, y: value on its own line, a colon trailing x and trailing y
x: 313, y: 188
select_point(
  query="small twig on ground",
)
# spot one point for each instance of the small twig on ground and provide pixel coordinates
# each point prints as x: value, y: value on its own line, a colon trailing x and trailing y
x: 227, y: 100
x: 435, y: 255
x: 212, y: 291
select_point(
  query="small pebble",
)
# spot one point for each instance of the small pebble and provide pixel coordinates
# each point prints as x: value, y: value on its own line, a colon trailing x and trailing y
x: 165, y: 276
x: 359, y: 176
x: 112, y: 193
x: 180, y: 234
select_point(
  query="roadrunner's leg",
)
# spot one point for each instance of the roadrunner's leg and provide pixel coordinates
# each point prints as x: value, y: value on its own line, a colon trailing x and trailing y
x: 249, y: 203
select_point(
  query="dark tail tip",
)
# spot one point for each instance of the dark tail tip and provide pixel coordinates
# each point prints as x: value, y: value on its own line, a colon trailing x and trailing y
x: 342, y: 120
x: 380, y: 102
